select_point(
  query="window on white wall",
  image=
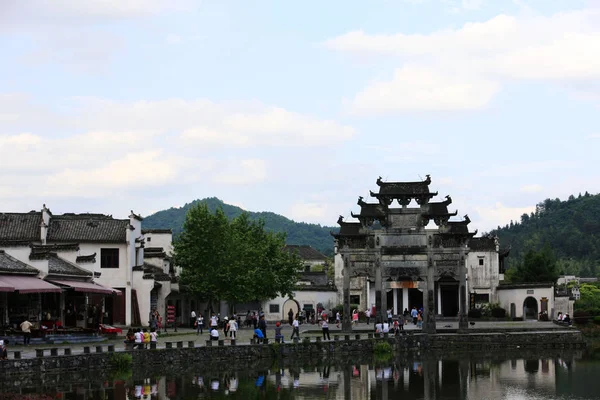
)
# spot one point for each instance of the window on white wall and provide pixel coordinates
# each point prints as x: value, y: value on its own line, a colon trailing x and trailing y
x: 109, y: 258
x: 273, y: 308
x: 481, y: 261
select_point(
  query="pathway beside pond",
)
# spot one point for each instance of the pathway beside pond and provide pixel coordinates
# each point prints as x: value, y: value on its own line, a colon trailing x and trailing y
x: 186, y: 335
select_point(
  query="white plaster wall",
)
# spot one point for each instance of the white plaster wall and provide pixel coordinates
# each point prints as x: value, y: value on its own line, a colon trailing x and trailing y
x: 563, y: 305
x: 518, y: 296
x: 143, y: 287
x: 328, y: 299
x: 483, y: 278
x: 164, y: 240
x: 338, y: 266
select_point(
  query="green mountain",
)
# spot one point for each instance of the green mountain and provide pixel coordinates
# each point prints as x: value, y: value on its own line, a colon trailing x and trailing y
x: 313, y: 235
x: 570, y: 227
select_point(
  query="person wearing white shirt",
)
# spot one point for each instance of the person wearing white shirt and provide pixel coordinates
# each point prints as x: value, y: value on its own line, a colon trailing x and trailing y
x: 386, y: 327
x: 139, y: 339
x: 378, y: 327
x: 214, y: 334
x: 233, y: 327
x: 325, y: 328
x: 295, y: 328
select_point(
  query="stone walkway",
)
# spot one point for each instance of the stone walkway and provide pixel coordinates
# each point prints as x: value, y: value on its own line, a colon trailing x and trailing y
x: 244, y: 335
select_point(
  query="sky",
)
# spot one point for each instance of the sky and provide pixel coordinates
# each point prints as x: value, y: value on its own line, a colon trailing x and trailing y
x: 297, y: 107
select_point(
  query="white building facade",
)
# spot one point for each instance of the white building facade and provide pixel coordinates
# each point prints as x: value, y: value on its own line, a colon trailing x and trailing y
x: 96, y: 260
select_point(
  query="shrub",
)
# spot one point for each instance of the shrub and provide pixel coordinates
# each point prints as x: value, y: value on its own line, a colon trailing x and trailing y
x: 120, y: 362
x: 597, y: 320
x: 498, y: 312
x: 581, y: 317
x: 383, y: 348
x: 475, y: 313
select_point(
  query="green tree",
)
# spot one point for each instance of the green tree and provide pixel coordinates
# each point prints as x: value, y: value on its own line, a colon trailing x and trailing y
x: 537, y: 266
x: 233, y: 260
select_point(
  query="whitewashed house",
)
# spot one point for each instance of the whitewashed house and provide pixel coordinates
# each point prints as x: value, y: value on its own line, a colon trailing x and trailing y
x: 313, y: 288
x: 96, y: 261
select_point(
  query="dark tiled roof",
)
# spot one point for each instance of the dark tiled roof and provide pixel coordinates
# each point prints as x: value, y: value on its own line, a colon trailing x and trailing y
x: 403, y: 188
x: 458, y: 227
x: 483, y: 244
x: 438, y: 209
x: 144, y: 231
x: 87, y: 228
x: 306, y: 253
x: 39, y: 251
x: 154, y: 252
x: 373, y: 210
x: 60, y: 266
x: 315, y: 278
x: 156, y: 273
x: 9, y: 264
x: 86, y: 259
x: 20, y: 226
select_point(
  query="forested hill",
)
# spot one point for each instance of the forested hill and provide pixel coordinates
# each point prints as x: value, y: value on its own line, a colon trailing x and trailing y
x: 571, y: 228
x: 313, y: 235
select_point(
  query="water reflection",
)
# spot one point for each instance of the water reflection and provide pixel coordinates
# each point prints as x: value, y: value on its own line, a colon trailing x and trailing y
x: 549, y: 377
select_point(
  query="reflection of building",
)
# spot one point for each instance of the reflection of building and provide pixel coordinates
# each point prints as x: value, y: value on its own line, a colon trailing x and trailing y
x: 80, y: 269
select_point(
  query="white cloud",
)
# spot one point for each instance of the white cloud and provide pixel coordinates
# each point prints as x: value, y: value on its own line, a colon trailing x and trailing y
x: 309, y: 211
x: 80, y: 35
x: 533, y: 188
x: 464, y: 68
x: 593, y: 136
x: 244, y: 172
x: 417, y: 89
x: 173, y: 38
x: 500, y: 215
x: 125, y: 147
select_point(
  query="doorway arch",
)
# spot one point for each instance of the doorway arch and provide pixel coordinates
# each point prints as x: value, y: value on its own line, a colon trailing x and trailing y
x: 290, y: 304
x: 530, y: 308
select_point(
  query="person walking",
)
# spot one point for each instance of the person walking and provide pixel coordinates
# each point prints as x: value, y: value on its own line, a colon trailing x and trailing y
x: 355, y: 317
x: 192, y: 319
x: 390, y: 315
x: 368, y: 316
x: 325, y: 328
x: 4, y: 349
x: 414, y: 313
x: 295, y: 328
x: 233, y: 327
x: 337, y: 318
x: 291, y: 316
x: 26, y: 329
x: 262, y: 325
x: 214, y: 323
x: 200, y: 325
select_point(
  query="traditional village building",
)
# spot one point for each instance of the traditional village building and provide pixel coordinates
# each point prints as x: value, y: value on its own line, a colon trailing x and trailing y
x: 314, y: 288
x: 393, y: 258
x: 76, y: 270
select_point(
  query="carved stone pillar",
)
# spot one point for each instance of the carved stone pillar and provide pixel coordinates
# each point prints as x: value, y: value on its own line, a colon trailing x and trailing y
x: 429, y: 297
x: 378, y: 291
x: 346, y: 315
x: 463, y: 320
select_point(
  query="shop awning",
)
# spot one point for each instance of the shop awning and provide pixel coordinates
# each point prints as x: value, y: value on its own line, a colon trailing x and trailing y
x: 28, y: 284
x: 5, y: 287
x: 86, y: 287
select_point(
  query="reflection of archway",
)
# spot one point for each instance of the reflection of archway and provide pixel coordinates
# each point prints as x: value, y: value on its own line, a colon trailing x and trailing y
x: 530, y: 308
x: 290, y: 303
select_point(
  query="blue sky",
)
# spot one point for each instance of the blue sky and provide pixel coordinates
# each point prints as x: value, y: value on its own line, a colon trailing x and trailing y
x: 297, y: 108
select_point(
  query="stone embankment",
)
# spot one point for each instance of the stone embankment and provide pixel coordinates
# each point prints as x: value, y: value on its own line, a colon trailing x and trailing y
x: 180, y: 353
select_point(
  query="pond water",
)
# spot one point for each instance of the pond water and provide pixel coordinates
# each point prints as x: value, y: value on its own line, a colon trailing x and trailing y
x: 569, y: 375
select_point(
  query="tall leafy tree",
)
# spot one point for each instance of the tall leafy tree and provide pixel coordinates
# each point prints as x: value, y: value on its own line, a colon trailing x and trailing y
x: 237, y: 260
x: 537, y: 266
